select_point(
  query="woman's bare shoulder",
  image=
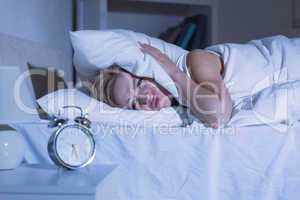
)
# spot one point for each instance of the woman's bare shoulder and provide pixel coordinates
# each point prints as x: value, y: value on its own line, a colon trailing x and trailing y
x: 204, y: 66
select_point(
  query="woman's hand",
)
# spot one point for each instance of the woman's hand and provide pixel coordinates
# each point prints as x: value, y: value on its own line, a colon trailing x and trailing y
x: 168, y: 65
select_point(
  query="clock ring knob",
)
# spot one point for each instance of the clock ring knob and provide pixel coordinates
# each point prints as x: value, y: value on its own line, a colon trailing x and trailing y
x: 83, y: 121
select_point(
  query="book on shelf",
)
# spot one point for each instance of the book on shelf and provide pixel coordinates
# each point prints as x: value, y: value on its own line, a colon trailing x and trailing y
x: 186, y: 36
x: 171, y: 34
x: 190, y: 34
x: 175, y: 35
x: 199, y: 40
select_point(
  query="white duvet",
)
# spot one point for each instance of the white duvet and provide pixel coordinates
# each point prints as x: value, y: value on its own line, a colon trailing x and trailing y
x: 257, y: 162
x: 262, y: 78
x: 251, y: 163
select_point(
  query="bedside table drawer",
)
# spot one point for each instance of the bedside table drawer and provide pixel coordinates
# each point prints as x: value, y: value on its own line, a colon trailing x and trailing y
x: 47, y: 182
x: 45, y: 197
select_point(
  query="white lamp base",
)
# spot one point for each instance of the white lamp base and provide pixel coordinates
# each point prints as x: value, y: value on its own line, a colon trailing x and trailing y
x: 12, y: 149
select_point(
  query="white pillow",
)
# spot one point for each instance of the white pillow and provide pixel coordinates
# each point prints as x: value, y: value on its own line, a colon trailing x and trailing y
x: 94, y: 50
x: 101, y: 112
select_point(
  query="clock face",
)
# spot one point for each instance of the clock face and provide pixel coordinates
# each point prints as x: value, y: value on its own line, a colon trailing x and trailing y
x: 74, y: 146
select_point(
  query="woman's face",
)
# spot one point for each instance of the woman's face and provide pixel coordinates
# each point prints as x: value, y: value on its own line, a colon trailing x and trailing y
x: 137, y: 93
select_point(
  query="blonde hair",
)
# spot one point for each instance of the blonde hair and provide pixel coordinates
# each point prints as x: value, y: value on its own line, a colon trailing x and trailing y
x: 102, y: 85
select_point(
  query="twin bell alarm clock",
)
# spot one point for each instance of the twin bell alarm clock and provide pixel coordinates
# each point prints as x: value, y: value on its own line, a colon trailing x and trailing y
x: 72, y: 144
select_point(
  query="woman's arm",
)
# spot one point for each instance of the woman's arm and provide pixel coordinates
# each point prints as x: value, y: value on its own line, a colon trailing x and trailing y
x: 205, y: 94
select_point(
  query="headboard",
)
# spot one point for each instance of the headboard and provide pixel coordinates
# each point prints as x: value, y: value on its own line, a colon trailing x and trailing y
x: 16, y: 51
x: 29, y: 27
x: 45, y: 22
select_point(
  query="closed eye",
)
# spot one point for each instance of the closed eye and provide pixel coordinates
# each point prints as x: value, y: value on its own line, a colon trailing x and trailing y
x: 139, y: 82
x: 133, y: 105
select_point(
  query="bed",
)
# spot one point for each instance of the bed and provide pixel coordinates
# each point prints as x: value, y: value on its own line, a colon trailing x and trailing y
x: 256, y: 162
x: 186, y: 163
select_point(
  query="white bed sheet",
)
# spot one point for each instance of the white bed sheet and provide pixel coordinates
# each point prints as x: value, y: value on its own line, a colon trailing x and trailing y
x: 255, y: 162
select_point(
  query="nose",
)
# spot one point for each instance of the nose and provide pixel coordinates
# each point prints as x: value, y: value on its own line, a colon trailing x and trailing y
x: 143, y: 94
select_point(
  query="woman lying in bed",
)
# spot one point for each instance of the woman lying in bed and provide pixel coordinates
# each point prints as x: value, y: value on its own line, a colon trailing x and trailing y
x: 204, y: 92
x: 211, y: 81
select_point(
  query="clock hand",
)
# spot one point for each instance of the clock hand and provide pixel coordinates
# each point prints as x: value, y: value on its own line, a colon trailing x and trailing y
x: 76, y: 151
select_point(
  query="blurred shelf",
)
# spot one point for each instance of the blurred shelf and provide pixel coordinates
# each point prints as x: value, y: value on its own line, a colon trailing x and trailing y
x: 187, y: 2
x: 132, y: 14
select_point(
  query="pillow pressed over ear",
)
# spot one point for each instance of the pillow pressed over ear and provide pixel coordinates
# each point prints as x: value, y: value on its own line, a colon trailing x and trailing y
x: 94, y: 50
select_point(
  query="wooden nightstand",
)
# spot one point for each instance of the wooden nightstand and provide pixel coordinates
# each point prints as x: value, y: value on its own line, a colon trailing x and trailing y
x: 40, y: 182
